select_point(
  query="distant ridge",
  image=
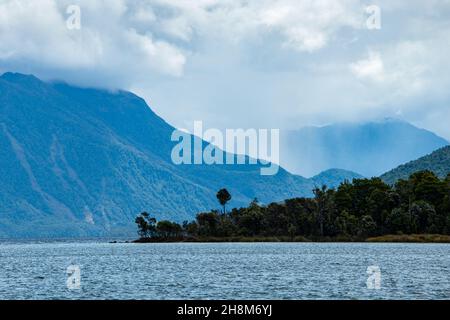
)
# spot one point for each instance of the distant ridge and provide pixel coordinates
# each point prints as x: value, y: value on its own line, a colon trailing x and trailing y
x: 370, y: 148
x: 332, y: 178
x: 437, y: 162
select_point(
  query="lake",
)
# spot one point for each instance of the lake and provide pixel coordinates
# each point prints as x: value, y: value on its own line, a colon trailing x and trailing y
x: 224, y: 271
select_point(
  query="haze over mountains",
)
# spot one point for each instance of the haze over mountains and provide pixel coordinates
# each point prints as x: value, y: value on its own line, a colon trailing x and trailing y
x: 369, y: 149
x: 84, y: 162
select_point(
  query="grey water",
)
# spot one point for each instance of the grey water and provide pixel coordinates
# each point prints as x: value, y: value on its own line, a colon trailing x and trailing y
x: 224, y: 271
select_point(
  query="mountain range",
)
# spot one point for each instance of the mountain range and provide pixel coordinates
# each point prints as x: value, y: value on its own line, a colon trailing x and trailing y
x: 83, y: 162
x: 437, y: 162
x: 370, y: 149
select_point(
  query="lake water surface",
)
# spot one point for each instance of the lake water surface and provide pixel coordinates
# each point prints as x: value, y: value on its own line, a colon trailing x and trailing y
x: 225, y: 271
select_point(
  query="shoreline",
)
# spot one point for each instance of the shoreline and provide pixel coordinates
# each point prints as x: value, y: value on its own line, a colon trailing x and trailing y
x: 414, y: 238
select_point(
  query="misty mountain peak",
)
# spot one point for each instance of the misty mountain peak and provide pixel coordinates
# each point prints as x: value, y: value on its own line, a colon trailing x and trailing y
x: 370, y: 148
x: 19, y: 77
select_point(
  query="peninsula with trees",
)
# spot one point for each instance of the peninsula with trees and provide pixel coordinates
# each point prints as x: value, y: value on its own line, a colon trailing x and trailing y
x: 416, y: 209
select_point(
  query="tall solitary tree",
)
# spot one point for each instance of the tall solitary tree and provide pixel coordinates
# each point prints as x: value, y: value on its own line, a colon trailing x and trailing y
x: 223, y: 196
x: 146, y: 225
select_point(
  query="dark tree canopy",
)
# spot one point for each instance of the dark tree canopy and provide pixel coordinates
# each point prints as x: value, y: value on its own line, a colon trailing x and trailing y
x: 223, y: 196
x: 354, y: 211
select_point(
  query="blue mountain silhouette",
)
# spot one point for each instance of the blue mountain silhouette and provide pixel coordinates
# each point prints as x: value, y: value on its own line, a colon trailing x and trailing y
x: 84, y: 162
x: 370, y: 149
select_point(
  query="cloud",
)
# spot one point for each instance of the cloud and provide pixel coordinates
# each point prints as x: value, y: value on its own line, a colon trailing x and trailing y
x: 34, y: 36
x: 371, y: 68
x: 308, y: 25
x: 147, y: 33
x: 244, y: 63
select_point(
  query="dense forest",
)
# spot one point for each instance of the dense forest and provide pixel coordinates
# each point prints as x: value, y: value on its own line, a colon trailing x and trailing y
x: 437, y: 162
x: 353, y: 211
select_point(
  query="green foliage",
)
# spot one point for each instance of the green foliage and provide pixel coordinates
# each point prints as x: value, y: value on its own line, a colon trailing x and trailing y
x: 146, y: 225
x: 437, y: 162
x: 399, y: 221
x: 367, y: 226
x: 167, y: 229
x: 358, y: 210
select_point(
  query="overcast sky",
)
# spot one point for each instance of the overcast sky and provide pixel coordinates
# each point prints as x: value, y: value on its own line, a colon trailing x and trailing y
x: 251, y: 64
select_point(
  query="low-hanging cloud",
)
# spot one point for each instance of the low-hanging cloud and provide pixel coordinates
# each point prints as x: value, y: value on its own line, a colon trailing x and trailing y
x: 244, y: 63
x: 34, y: 37
x: 151, y: 36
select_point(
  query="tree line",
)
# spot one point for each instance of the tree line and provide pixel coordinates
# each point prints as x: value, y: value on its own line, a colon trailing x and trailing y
x: 354, y: 211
